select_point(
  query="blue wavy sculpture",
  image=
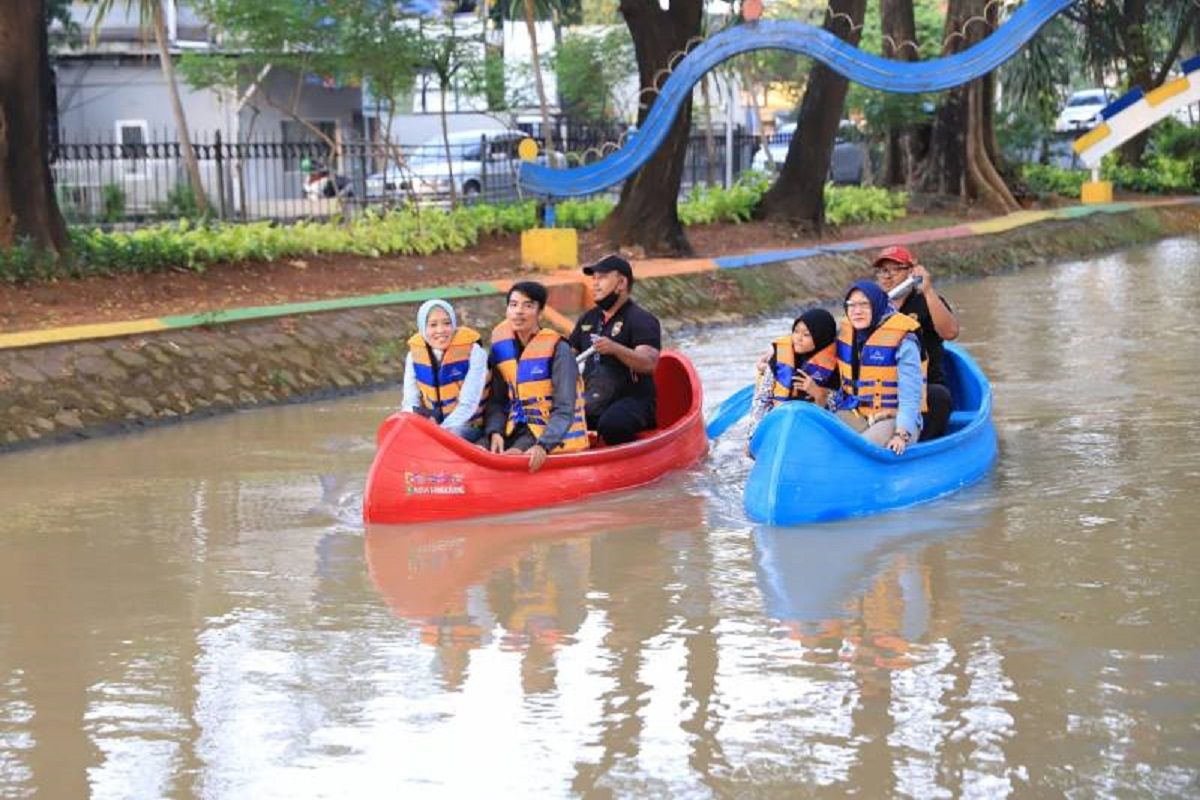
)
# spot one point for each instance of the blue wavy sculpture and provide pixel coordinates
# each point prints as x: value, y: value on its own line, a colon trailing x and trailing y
x: 798, y: 37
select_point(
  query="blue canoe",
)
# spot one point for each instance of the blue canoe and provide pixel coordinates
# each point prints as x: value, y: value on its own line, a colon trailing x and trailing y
x: 810, y: 467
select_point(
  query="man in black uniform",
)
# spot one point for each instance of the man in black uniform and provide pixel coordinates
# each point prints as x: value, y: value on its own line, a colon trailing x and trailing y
x: 938, y: 324
x: 619, y: 375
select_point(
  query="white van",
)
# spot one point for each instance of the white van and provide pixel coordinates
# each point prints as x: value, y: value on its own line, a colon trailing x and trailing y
x: 483, y: 164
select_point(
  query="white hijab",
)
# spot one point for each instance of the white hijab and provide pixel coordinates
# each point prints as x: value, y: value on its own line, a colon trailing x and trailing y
x: 423, y: 317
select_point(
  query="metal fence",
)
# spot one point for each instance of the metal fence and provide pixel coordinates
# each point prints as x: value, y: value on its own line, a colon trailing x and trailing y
x: 122, y: 183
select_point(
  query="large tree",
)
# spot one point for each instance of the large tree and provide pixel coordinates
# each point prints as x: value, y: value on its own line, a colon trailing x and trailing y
x: 646, y: 216
x: 898, y: 29
x: 962, y: 155
x: 28, y: 209
x: 798, y: 194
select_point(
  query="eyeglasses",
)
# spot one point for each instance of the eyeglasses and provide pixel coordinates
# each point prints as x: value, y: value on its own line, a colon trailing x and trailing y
x: 858, y: 304
x: 891, y: 272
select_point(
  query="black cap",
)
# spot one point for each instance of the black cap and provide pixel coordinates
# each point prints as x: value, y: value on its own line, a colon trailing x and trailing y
x: 610, y: 264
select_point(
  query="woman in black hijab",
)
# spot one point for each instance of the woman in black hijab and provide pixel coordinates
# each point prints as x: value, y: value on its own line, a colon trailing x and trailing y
x: 802, y: 365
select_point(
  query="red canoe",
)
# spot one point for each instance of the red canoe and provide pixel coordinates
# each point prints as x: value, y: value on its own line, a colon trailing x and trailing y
x: 422, y: 473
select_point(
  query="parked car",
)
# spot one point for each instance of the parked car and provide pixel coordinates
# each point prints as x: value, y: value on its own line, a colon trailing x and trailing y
x: 1082, y: 110
x: 846, y: 166
x: 483, y: 163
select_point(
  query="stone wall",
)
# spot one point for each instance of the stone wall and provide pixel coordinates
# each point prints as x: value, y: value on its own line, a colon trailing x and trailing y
x: 63, y: 391
x: 70, y: 390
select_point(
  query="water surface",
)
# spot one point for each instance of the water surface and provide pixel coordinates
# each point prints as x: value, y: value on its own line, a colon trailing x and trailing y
x: 196, y: 611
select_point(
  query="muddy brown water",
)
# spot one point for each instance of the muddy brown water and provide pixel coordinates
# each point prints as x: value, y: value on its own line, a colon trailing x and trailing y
x: 196, y: 611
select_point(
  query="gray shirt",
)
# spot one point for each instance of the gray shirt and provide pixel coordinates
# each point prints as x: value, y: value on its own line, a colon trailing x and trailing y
x: 564, y: 372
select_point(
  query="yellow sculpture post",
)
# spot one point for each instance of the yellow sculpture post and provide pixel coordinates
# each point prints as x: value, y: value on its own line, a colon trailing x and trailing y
x: 548, y: 247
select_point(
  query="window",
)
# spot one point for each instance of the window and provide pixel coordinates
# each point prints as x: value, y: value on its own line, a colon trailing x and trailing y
x: 132, y: 136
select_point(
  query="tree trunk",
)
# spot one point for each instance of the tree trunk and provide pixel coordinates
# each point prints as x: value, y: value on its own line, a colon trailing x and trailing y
x: 710, y: 144
x: 28, y: 208
x: 646, y: 216
x: 185, y: 138
x: 1135, y: 43
x: 899, y: 30
x: 962, y: 151
x: 445, y: 87
x: 798, y: 195
x: 547, y: 130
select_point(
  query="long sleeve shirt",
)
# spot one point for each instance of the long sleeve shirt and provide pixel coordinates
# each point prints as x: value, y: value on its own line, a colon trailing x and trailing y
x: 564, y: 372
x: 469, y: 394
x: 908, y: 367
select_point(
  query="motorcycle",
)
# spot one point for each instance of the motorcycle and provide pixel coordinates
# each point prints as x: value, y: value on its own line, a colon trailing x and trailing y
x: 321, y: 183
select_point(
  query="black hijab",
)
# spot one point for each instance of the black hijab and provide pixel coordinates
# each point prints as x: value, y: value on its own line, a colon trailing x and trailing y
x: 821, y: 326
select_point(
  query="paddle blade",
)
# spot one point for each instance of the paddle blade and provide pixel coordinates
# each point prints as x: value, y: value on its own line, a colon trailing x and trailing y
x: 734, y: 408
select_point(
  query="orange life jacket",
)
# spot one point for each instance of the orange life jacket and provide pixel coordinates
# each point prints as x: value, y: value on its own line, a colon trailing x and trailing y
x: 878, y: 386
x: 441, y: 385
x: 820, y: 366
x: 530, y: 388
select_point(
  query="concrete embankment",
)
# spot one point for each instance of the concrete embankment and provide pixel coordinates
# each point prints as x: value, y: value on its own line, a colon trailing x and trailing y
x: 77, y: 382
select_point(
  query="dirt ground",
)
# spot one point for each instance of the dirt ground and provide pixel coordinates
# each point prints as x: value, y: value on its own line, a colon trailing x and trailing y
x: 238, y: 285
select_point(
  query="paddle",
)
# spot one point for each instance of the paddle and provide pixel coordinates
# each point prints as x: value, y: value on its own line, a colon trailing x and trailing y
x: 738, y: 404
x: 730, y: 411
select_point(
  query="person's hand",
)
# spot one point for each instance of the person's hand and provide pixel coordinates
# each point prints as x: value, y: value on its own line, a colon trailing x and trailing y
x: 763, y: 363
x: 537, y: 457
x: 802, y: 382
x: 497, y: 443
x: 919, y: 271
x: 898, y: 443
x: 605, y: 346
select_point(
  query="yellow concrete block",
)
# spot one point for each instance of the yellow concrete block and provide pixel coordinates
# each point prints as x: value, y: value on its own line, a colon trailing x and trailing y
x: 550, y: 248
x: 1096, y: 192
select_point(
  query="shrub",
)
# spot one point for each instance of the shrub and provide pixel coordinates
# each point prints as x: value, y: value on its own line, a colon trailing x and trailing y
x: 848, y: 205
x: 112, y: 201
x: 402, y: 231
x: 1044, y: 180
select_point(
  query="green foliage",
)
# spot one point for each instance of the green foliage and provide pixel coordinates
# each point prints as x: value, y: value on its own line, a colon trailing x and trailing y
x: 1044, y: 180
x: 180, y: 203
x: 493, y: 80
x: 583, y: 214
x: 589, y: 68
x: 403, y: 231
x: 1161, y: 174
x: 883, y: 110
x: 849, y: 205
x: 1036, y: 80
x: 707, y: 204
x: 361, y: 41
x: 112, y: 200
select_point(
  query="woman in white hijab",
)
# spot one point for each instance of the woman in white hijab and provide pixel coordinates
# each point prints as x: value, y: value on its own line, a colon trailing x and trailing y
x: 446, y: 371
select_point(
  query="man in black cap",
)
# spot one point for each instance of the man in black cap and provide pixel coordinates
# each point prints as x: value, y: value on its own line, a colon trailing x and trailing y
x: 619, y: 375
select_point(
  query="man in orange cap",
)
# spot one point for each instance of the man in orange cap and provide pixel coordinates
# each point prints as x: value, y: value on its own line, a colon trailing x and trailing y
x: 938, y: 324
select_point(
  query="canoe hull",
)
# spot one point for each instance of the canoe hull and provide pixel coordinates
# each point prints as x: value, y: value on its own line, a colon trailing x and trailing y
x: 421, y: 473
x: 810, y: 467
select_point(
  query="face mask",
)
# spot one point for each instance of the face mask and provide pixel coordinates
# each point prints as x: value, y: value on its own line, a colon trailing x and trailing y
x: 608, y: 301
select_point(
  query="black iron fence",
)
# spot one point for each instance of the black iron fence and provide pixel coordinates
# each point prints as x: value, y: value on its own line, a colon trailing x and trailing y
x: 139, y: 182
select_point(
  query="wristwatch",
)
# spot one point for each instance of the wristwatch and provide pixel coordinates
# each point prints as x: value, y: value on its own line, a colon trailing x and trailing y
x: 905, y: 435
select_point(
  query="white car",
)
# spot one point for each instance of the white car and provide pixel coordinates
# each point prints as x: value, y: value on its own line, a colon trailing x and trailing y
x: 1082, y: 111
x: 483, y: 163
x: 845, y: 166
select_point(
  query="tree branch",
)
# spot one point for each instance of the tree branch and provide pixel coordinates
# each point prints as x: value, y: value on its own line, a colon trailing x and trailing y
x: 1189, y: 17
